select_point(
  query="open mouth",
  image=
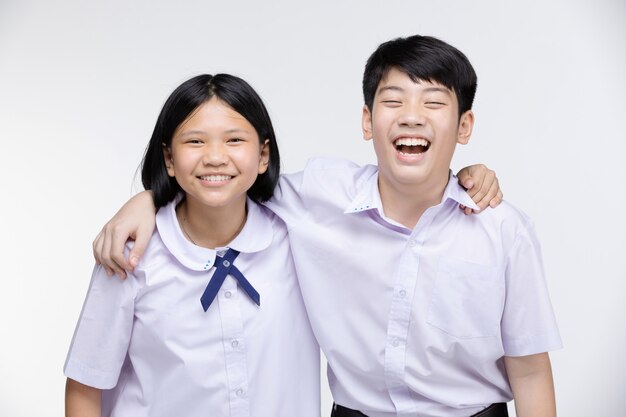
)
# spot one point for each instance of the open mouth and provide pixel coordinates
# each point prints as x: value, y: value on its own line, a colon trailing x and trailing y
x: 411, y: 146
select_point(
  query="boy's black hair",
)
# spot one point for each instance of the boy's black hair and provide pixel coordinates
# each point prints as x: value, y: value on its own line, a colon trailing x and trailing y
x: 180, y: 105
x: 422, y: 58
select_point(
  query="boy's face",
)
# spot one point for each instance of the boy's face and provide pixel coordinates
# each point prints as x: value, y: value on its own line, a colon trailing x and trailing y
x: 415, y: 128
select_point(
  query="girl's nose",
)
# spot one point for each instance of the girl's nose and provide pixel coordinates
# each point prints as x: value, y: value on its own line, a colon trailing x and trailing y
x: 215, y: 155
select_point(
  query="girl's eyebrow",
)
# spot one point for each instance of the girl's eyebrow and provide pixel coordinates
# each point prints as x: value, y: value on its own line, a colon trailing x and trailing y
x: 200, y: 132
x: 237, y: 130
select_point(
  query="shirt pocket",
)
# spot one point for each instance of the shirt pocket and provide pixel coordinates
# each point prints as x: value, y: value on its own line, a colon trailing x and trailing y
x: 467, y: 299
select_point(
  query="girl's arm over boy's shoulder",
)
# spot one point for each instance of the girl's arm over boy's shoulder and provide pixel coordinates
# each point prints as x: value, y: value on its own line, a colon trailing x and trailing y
x: 82, y: 400
x: 136, y: 220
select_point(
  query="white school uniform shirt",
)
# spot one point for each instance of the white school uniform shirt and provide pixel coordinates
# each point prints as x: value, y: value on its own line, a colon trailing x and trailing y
x: 414, y: 322
x: 148, y: 342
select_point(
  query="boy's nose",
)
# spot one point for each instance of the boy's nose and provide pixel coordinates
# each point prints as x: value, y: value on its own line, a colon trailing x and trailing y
x: 411, y: 115
x: 411, y: 118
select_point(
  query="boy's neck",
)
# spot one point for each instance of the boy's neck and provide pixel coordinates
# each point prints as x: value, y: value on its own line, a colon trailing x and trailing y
x: 406, y: 204
x: 212, y: 227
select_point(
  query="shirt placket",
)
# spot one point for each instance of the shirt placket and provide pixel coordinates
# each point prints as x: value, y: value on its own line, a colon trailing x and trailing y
x: 405, y: 280
x: 234, y: 348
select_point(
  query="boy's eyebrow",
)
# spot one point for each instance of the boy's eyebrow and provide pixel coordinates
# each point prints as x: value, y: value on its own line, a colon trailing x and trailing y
x: 390, y: 88
x: 401, y: 90
x: 437, y: 89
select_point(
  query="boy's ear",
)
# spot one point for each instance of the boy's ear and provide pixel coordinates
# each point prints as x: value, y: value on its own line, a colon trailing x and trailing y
x: 366, y: 123
x: 264, y: 158
x: 169, y: 161
x: 466, y: 124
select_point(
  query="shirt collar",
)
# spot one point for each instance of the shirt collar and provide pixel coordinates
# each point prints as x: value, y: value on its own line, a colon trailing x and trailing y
x: 455, y: 191
x: 368, y: 195
x: 256, y: 235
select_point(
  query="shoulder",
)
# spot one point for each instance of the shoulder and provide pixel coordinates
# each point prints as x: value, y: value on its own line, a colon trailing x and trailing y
x: 321, y: 165
x: 268, y: 217
x: 506, y: 222
x: 327, y: 174
x: 155, y: 251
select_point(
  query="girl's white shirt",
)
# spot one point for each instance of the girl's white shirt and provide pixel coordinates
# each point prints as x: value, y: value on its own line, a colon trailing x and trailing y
x: 148, y: 343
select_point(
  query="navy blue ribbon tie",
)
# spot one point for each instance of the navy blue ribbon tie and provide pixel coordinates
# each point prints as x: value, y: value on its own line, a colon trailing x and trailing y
x: 224, y: 267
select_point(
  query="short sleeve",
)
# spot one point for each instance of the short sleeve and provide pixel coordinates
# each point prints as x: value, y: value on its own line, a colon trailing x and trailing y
x: 103, y: 332
x: 528, y: 322
x: 288, y: 202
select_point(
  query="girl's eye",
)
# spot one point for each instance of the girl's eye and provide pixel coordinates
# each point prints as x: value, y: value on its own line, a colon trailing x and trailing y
x: 235, y: 140
x: 194, y: 141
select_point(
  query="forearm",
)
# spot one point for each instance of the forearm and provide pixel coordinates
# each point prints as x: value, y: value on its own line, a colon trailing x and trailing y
x: 82, y: 400
x: 532, y: 385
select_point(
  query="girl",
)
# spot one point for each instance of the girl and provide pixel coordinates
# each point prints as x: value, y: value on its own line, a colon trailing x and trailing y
x: 213, y: 323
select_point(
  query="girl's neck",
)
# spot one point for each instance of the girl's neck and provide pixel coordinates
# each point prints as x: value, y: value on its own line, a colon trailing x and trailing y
x: 210, y: 227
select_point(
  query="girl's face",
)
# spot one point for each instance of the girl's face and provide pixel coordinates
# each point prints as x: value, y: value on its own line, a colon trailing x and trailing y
x: 216, y: 156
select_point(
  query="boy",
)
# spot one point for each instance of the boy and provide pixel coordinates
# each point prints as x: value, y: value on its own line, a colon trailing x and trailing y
x: 420, y: 311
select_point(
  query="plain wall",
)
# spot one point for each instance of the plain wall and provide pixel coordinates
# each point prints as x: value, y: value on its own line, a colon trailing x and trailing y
x: 81, y: 84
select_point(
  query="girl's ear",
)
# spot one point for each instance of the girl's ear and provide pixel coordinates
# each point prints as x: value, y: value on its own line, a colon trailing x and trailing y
x: 264, y: 157
x: 466, y: 124
x: 366, y: 123
x: 169, y: 160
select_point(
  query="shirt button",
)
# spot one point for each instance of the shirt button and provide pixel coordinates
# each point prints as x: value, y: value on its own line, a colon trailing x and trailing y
x: 228, y: 294
x: 412, y: 243
x: 239, y: 392
x: 402, y: 293
x: 226, y: 264
x: 395, y: 343
x: 234, y: 343
x: 221, y: 252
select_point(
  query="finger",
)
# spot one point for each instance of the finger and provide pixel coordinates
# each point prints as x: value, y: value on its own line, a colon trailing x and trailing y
x: 141, y: 242
x: 489, y: 195
x: 465, y: 179
x: 496, y: 200
x: 95, y: 248
x: 481, y: 188
x: 108, y: 250
x: 479, y: 177
x: 97, y: 253
x: 118, y: 238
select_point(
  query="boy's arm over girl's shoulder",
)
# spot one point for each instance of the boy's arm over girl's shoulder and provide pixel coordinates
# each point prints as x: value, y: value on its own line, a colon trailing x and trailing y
x: 136, y: 219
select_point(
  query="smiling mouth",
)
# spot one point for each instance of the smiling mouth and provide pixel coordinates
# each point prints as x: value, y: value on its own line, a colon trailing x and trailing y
x: 411, y: 146
x: 215, y: 178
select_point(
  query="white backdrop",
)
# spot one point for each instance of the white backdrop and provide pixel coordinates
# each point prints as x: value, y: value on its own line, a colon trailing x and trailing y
x: 81, y: 84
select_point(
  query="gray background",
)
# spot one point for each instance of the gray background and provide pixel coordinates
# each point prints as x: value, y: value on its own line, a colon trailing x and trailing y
x: 81, y: 84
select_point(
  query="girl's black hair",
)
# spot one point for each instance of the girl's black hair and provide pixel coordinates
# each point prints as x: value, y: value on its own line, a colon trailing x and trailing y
x: 190, y: 95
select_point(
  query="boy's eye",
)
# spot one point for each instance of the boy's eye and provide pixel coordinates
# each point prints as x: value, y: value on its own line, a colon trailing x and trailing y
x: 435, y: 103
x: 392, y: 102
x: 235, y: 140
x: 194, y: 141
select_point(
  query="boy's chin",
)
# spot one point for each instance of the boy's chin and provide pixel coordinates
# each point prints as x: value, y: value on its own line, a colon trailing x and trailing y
x: 410, y: 177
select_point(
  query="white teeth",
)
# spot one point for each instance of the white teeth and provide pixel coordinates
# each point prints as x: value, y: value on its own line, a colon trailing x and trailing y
x: 411, y: 142
x: 215, y: 178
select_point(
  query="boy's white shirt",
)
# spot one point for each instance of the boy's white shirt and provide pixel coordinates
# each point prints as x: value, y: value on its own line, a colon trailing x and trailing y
x: 148, y: 340
x: 414, y: 321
